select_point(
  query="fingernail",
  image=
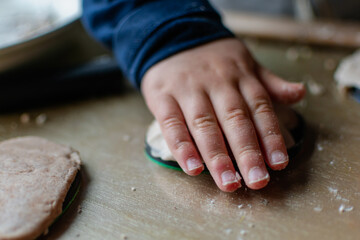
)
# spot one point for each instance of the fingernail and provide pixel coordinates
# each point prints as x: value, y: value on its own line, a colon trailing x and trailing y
x: 278, y: 157
x: 256, y: 174
x: 193, y: 163
x: 229, y: 177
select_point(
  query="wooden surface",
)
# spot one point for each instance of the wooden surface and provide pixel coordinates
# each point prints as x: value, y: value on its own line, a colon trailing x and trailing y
x: 330, y: 33
x: 299, y: 203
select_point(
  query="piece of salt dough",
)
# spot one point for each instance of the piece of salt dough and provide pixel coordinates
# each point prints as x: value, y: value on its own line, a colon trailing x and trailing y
x: 347, y: 75
x: 160, y: 149
x: 35, y: 176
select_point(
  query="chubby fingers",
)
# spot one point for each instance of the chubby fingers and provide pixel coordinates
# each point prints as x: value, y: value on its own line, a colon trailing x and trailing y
x: 176, y: 134
x: 240, y: 132
x: 204, y: 128
x: 265, y: 122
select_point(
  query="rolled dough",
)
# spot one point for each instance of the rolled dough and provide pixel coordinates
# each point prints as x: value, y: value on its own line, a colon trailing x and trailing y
x: 35, y: 176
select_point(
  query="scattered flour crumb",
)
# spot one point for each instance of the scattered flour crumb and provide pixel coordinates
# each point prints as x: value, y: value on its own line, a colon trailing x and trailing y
x: 243, y: 232
x: 344, y: 208
x: 249, y: 205
x: 332, y: 162
x: 212, y: 201
x: 228, y: 231
x: 124, y: 237
x: 41, y: 119
x: 265, y: 202
x: 318, y: 209
x: 251, y: 225
x: 341, y: 208
x: 126, y: 138
x: 315, y: 88
x: 342, y: 199
x: 320, y: 148
x: 25, y: 118
x: 133, y: 189
x: 349, y: 209
x: 240, y: 206
x: 333, y: 191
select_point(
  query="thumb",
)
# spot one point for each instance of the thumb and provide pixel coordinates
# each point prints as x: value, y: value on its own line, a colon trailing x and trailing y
x: 280, y: 90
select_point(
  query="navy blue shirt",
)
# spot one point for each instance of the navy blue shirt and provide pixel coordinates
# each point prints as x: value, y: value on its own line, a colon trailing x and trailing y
x: 143, y: 32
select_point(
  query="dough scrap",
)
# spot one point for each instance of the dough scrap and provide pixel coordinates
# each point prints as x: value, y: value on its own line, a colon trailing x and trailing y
x: 35, y: 176
x: 348, y: 73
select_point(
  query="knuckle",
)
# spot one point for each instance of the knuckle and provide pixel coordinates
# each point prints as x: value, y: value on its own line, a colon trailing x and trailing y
x: 262, y: 105
x: 272, y: 136
x: 204, y: 122
x: 180, y: 144
x: 228, y: 70
x: 171, y: 121
x: 216, y: 157
x: 236, y: 115
x: 250, y: 151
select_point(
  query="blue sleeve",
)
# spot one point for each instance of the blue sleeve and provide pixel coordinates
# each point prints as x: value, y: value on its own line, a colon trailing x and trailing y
x: 143, y: 32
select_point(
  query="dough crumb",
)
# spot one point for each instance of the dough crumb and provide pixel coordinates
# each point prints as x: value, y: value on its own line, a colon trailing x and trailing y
x: 333, y: 191
x: 315, y: 88
x: 341, y: 208
x: 344, y: 208
x: 265, y: 202
x: 41, y: 119
x: 126, y: 138
x: 240, y: 206
x: 318, y: 209
x: 251, y: 225
x: 212, y: 201
x: 347, y: 73
x: 25, y: 118
x: 243, y: 232
x: 133, y: 189
x: 46, y: 232
x: 124, y: 237
x: 228, y: 231
x: 320, y: 148
x: 342, y: 199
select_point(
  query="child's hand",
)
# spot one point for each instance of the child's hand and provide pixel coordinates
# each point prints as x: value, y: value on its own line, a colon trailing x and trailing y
x: 217, y: 90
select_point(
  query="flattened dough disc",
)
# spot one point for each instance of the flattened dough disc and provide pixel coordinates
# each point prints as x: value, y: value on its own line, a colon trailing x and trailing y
x: 35, y: 178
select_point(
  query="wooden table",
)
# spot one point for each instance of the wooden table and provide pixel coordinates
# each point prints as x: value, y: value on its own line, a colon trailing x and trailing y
x: 301, y: 202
